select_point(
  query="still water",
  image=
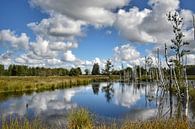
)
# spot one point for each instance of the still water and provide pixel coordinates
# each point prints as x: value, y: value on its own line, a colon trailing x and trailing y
x: 106, y: 100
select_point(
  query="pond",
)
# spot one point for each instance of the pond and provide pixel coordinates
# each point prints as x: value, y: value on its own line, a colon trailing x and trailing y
x: 106, y: 100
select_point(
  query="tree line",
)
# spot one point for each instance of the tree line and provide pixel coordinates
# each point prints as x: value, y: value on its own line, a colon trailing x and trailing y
x: 23, y: 70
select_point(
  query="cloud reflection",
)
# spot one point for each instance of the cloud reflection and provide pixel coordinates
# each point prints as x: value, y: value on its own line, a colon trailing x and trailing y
x: 40, y: 103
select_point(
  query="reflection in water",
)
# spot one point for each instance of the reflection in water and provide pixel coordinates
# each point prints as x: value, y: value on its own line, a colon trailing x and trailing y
x: 95, y: 87
x: 114, y: 100
x: 109, y: 91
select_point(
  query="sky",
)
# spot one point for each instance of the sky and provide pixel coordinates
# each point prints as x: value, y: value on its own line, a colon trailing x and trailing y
x: 79, y: 33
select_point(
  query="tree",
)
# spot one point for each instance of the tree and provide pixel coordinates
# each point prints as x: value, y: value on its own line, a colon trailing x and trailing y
x: 78, y: 71
x: 1, y: 70
x: 72, y: 72
x: 179, y: 69
x: 75, y: 71
x: 86, y: 71
x: 96, y: 69
x: 108, y: 68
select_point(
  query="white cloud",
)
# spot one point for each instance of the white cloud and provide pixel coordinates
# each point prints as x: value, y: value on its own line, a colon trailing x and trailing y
x: 68, y: 56
x: 58, y: 28
x: 92, y: 11
x: 108, y: 32
x: 24, y: 59
x: 126, y: 53
x: 6, y: 59
x: 68, y: 19
x: 40, y: 48
x: 148, y: 25
x: 190, y: 59
x: 61, y: 46
x: 128, y: 24
x: 10, y: 38
x: 54, y: 62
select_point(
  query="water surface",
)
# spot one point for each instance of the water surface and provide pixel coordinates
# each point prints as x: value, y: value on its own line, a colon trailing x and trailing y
x: 106, y: 100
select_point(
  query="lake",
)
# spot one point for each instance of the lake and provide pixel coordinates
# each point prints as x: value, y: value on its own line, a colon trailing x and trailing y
x: 105, y: 100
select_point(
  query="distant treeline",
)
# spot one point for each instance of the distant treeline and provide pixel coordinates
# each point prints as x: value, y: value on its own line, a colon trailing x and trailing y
x: 22, y: 70
x: 190, y: 70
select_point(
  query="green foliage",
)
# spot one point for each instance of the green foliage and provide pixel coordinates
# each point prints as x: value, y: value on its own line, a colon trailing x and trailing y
x: 22, y: 70
x: 95, y: 69
x: 108, y: 68
x: 1, y: 69
x: 190, y: 70
x: 79, y: 119
x: 86, y: 71
x: 75, y: 71
x: 178, y: 42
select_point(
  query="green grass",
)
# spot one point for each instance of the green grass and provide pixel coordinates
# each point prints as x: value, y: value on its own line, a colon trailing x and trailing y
x: 26, y: 83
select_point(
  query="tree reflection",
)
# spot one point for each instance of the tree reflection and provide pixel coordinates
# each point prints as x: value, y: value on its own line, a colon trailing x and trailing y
x: 109, y: 91
x: 95, y: 88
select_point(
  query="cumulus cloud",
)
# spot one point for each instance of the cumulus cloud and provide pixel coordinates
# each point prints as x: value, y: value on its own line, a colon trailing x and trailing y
x: 148, y: 25
x: 10, y: 39
x: 62, y: 46
x: 67, y: 20
x: 24, y: 59
x: 126, y: 53
x: 58, y: 28
x: 91, y: 11
x: 5, y: 58
x: 68, y: 56
x: 41, y: 48
x: 128, y: 24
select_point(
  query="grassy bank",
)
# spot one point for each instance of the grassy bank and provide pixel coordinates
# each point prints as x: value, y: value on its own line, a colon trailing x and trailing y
x: 81, y: 119
x: 25, y: 84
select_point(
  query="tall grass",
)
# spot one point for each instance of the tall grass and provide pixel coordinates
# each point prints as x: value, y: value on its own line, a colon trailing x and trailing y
x: 157, y: 124
x: 22, y: 124
x: 24, y: 84
x: 79, y: 119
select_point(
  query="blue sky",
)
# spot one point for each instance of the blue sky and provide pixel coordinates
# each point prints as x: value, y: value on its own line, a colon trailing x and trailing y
x: 97, y: 35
